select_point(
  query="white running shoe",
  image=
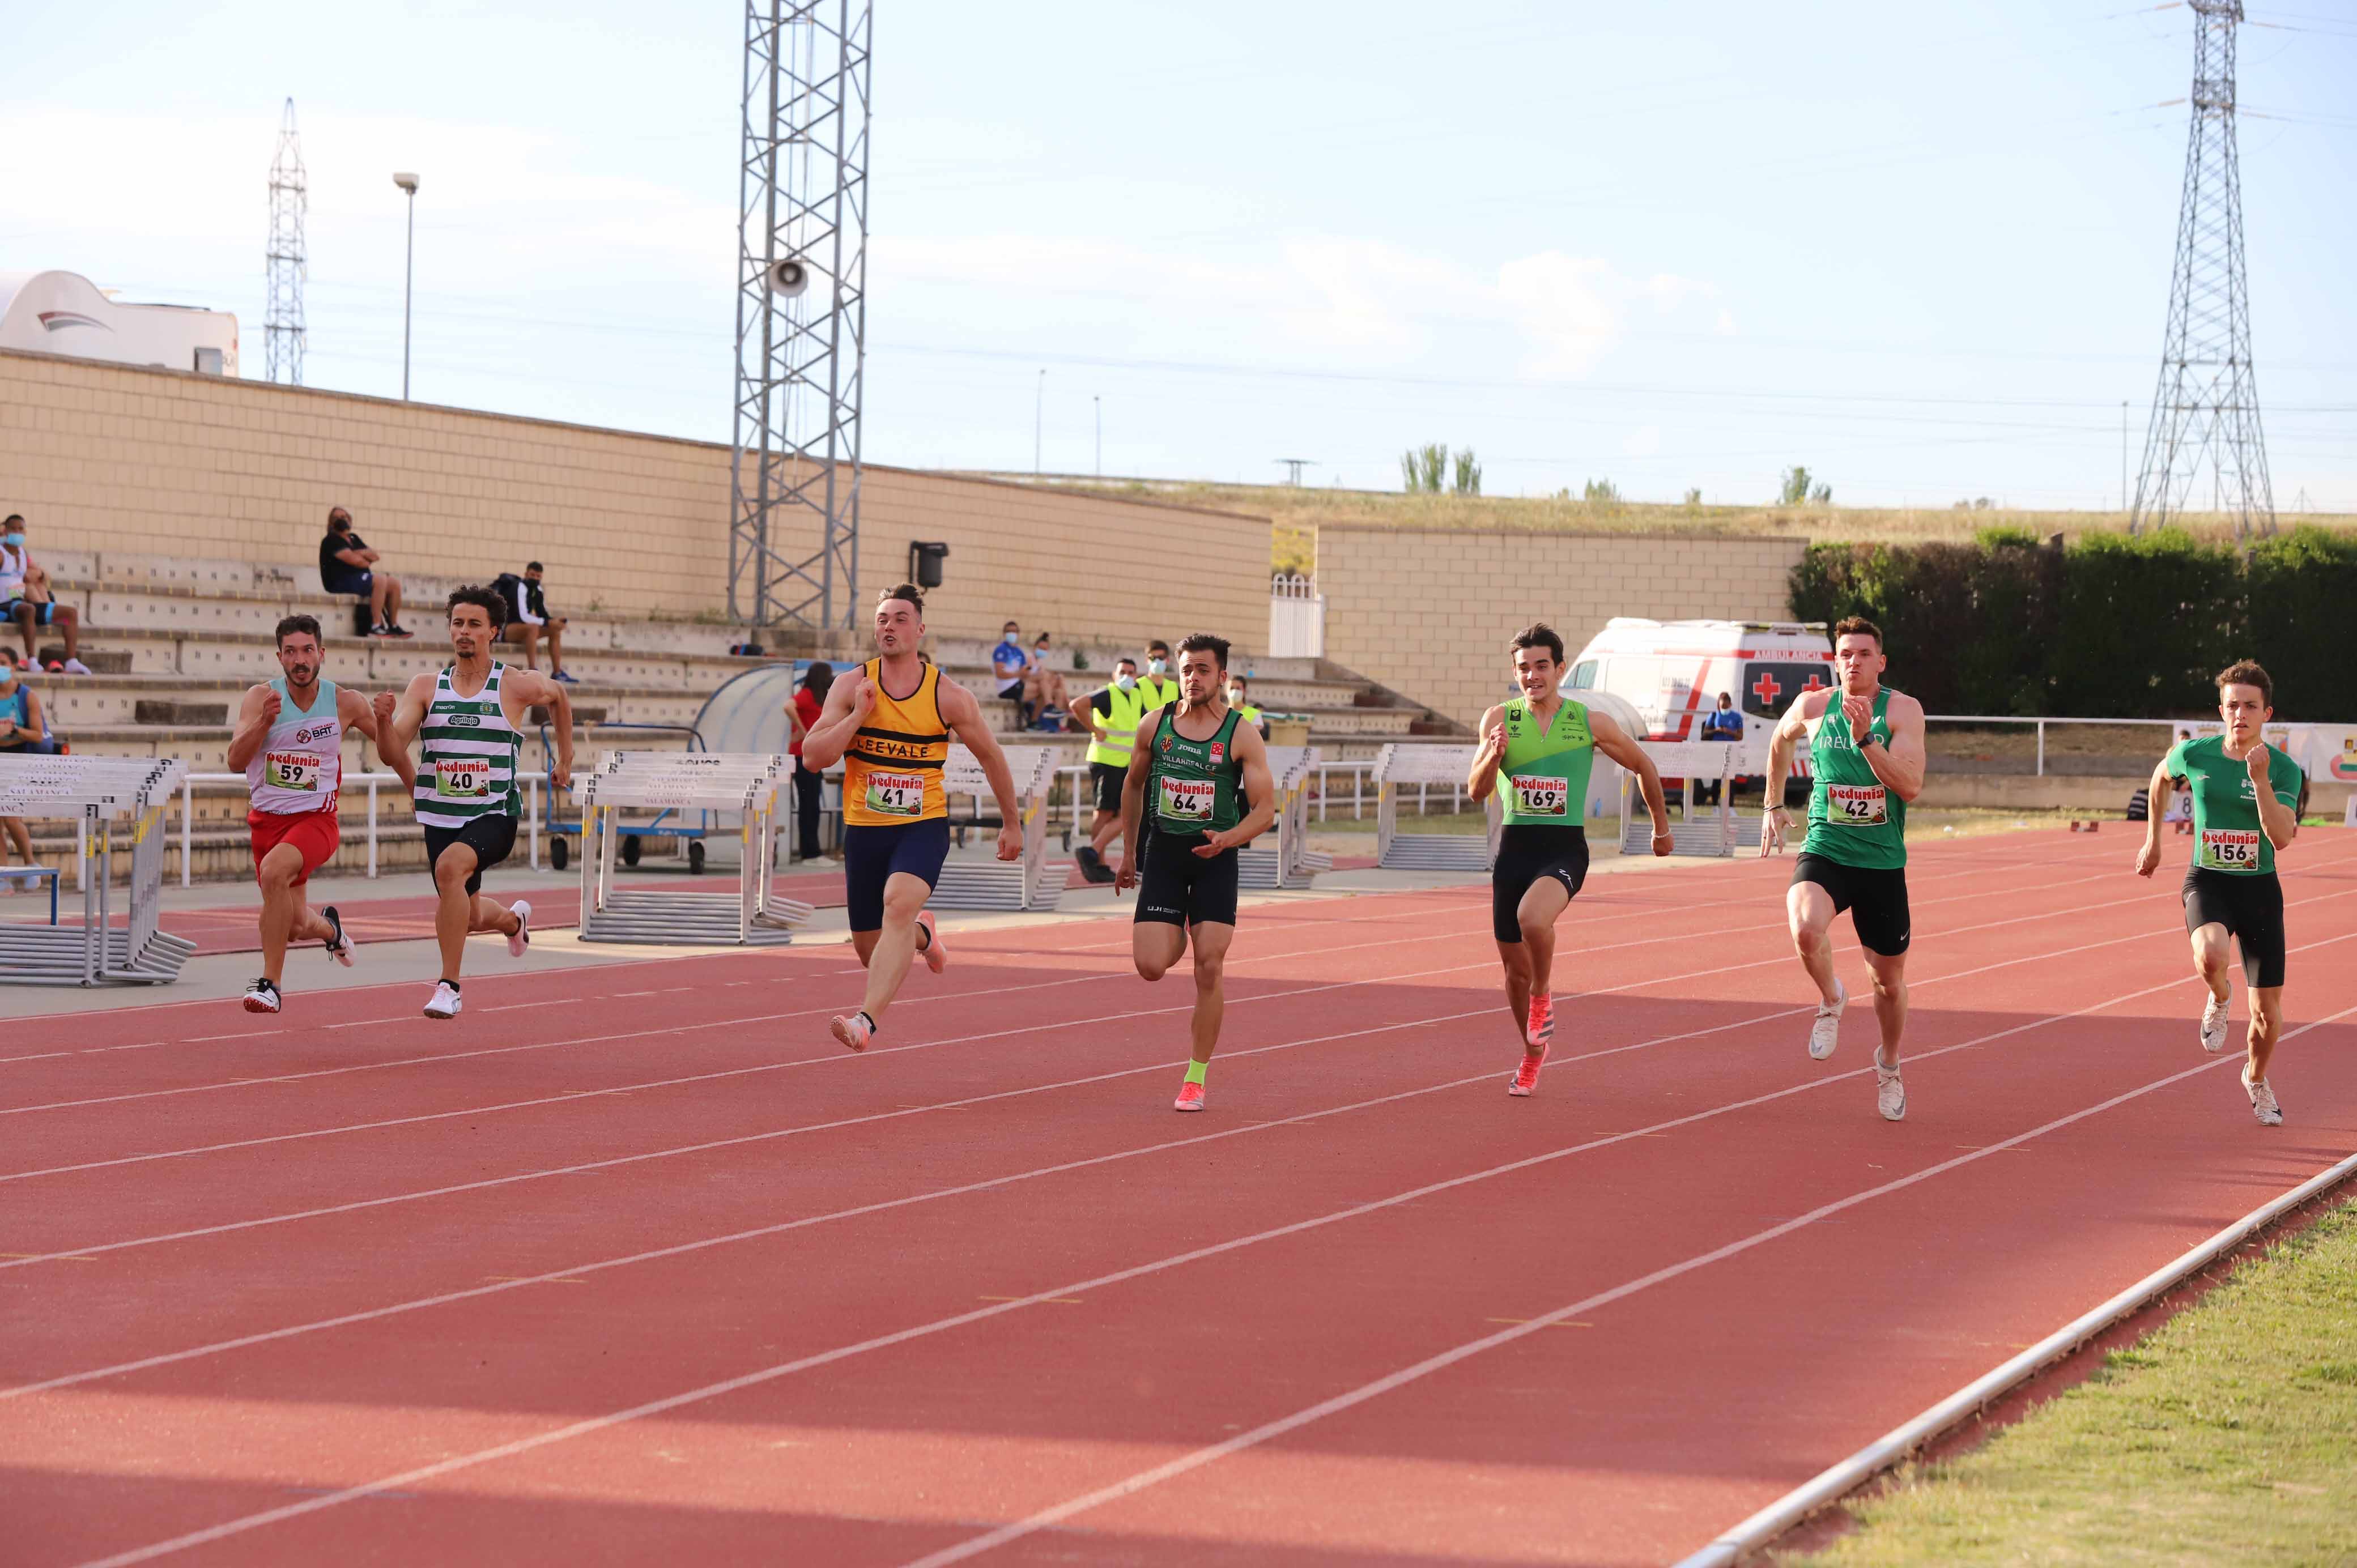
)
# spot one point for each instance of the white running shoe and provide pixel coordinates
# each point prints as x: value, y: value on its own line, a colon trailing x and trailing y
x: 1890, y: 1091
x: 2213, y: 1026
x: 2262, y: 1100
x: 262, y: 997
x: 937, y: 956
x: 852, y: 1031
x: 444, y: 1002
x: 339, y: 946
x: 1825, y: 1032
x: 76, y: 666
x: 522, y: 936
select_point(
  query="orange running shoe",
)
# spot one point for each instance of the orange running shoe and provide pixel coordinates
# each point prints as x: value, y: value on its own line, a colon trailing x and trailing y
x: 1542, y: 1025
x: 937, y: 956
x: 853, y: 1031
x: 1190, y: 1097
x: 1526, y: 1077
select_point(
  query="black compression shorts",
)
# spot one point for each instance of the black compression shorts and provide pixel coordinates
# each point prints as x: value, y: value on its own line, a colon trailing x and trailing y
x: 493, y: 839
x: 1107, y: 778
x: 2250, y: 908
x: 1527, y: 852
x: 873, y: 854
x: 1876, y: 898
x: 1179, y: 887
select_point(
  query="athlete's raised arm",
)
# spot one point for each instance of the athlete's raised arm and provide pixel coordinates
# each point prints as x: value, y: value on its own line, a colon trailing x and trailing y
x: 397, y: 720
x: 358, y: 715
x: 1790, y: 731
x: 1616, y: 743
x: 1899, y: 765
x: 963, y: 714
x: 2278, y: 816
x: 1483, y: 778
x: 531, y: 688
x: 848, y: 703
x: 254, y: 717
x: 1260, y: 795
x: 1133, y: 797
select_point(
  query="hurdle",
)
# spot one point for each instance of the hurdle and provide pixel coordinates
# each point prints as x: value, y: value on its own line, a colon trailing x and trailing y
x: 755, y: 915
x: 100, y: 792
x: 1031, y: 884
x: 1283, y: 857
x: 1702, y: 831
x: 1398, y: 766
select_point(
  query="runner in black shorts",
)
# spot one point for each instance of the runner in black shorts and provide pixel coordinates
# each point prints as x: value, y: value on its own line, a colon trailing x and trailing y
x: 2246, y: 807
x: 1199, y: 781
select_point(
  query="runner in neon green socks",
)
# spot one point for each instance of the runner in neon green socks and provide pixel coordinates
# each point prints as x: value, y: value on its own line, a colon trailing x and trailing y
x: 1537, y: 749
x: 2246, y: 807
x: 1865, y: 749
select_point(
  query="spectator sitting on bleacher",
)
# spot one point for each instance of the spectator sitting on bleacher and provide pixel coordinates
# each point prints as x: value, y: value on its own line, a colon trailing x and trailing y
x: 25, y: 598
x: 529, y: 620
x: 1008, y: 665
x: 23, y: 733
x: 1044, y: 699
x: 347, y: 566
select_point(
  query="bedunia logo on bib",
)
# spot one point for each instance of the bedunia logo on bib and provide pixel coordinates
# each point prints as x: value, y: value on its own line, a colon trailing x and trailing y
x: 463, y: 777
x: 2230, y: 849
x: 1187, y: 799
x: 290, y: 769
x: 1856, y: 805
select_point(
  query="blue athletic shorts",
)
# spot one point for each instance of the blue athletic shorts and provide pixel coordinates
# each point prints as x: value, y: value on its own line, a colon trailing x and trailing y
x: 44, y: 613
x: 871, y: 855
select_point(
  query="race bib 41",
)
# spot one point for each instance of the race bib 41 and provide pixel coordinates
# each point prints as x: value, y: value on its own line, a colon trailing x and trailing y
x: 1188, y: 800
x: 896, y: 794
x: 290, y: 769
x: 2229, y: 849
x: 463, y: 777
x: 1856, y: 805
x: 1537, y: 796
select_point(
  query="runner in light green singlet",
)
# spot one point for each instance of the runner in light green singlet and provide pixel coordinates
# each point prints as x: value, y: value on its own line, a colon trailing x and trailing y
x: 1854, y: 817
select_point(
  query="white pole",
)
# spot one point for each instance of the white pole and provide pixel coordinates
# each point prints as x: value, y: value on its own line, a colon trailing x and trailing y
x: 81, y: 853
x: 2041, y: 748
x: 532, y: 810
x: 185, y: 830
x: 372, y: 783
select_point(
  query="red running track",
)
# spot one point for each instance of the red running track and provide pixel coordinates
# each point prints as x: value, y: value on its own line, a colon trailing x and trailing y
x: 656, y: 1272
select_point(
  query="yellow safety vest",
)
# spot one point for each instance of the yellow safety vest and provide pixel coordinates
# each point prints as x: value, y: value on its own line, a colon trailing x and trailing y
x: 1160, y: 690
x: 1124, y: 710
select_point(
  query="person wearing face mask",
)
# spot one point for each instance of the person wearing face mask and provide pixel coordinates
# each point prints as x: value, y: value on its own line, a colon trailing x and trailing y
x: 25, y: 598
x: 1239, y: 698
x: 1111, y: 716
x: 1007, y: 664
x: 1160, y: 684
x: 1044, y: 698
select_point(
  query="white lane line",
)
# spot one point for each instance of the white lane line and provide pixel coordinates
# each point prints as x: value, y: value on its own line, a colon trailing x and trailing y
x: 944, y: 1324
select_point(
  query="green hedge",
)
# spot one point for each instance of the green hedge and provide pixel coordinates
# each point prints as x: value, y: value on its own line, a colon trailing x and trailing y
x: 2111, y: 627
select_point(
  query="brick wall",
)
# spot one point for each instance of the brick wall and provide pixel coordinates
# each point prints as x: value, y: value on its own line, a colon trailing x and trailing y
x: 1429, y: 612
x: 118, y: 458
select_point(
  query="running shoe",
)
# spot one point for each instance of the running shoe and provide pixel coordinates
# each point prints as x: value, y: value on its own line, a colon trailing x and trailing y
x: 1890, y: 1091
x: 564, y: 676
x: 853, y: 1032
x: 522, y: 936
x: 1092, y: 865
x: 2213, y: 1026
x: 1526, y: 1077
x: 76, y: 666
x: 1542, y: 1024
x: 2262, y: 1100
x: 1190, y: 1097
x: 262, y: 997
x: 444, y: 1002
x: 398, y: 631
x: 937, y: 956
x: 1825, y: 1032
x: 339, y: 946
x: 380, y: 629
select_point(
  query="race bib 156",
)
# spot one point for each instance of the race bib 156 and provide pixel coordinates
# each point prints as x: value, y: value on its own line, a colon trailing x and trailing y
x: 1537, y: 796
x: 896, y: 794
x: 1856, y: 805
x: 290, y: 769
x: 2229, y: 849
x: 463, y: 777
x: 1188, y: 799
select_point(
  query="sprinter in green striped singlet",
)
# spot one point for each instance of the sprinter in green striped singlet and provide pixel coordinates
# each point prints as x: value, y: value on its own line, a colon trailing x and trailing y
x: 1537, y: 751
x: 468, y: 719
x: 1865, y: 753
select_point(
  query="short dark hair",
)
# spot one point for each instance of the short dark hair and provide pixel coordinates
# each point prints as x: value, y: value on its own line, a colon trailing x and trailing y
x: 1858, y: 625
x: 492, y: 605
x: 533, y: 566
x: 12, y: 517
x: 294, y: 624
x: 1538, y: 633
x: 1157, y: 645
x: 908, y: 591
x: 1240, y: 681
x: 2246, y: 672
x: 1204, y: 642
x: 1124, y: 659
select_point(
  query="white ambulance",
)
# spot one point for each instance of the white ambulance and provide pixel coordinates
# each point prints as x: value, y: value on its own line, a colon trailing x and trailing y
x: 1673, y: 671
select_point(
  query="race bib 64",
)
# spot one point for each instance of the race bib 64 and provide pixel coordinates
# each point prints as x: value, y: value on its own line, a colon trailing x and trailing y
x: 1856, y: 805
x: 896, y: 794
x: 1538, y: 796
x: 2229, y: 849
x: 1188, y: 799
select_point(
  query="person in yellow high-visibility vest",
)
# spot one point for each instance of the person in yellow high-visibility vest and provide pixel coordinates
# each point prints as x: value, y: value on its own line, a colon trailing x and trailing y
x: 1111, y: 718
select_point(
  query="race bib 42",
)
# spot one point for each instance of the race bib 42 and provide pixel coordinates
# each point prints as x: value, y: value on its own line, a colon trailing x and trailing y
x: 896, y: 794
x: 2229, y: 849
x: 1188, y: 800
x: 1856, y: 805
x: 463, y: 777
x: 1537, y: 796
x: 290, y: 769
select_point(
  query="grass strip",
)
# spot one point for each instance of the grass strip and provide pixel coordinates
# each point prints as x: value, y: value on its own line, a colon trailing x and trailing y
x: 2227, y: 1435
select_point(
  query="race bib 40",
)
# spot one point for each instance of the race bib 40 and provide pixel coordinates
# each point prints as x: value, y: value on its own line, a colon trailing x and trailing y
x: 1537, y: 796
x: 2229, y: 849
x: 1856, y: 805
x: 1188, y: 800
x: 896, y: 794
x: 463, y: 777
x: 290, y: 769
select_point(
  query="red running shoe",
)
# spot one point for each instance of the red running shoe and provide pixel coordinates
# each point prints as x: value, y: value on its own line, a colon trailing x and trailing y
x: 852, y: 1031
x: 1190, y: 1097
x: 1526, y: 1077
x: 1541, y: 1024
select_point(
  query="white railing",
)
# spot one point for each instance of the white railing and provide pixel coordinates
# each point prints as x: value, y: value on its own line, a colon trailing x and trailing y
x: 2041, y: 723
x: 373, y: 780
x: 1296, y: 617
x: 1076, y: 785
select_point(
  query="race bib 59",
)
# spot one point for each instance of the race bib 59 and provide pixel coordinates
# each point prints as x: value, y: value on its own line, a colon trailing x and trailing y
x: 462, y: 777
x: 1856, y: 805
x: 290, y: 769
x: 1537, y: 796
x: 1188, y: 800
x: 896, y: 794
x: 2229, y: 849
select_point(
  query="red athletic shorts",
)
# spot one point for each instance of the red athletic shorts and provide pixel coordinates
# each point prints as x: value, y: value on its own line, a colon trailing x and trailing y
x: 316, y: 834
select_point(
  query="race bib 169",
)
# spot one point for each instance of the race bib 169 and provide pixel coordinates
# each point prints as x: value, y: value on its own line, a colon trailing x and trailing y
x: 1538, y: 796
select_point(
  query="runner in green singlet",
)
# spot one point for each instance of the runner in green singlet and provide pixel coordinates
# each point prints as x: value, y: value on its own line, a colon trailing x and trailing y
x: 1198, y: 790
x: 2246, y: 807
x: 1536, y: 752
x: 1865, y: 751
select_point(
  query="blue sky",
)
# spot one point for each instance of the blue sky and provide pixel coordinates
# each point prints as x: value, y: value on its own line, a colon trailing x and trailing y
x: 1923, y: 250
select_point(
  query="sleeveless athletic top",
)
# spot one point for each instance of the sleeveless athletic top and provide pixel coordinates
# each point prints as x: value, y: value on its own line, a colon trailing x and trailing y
x: 1194, y: 787
x: 302, y: 760
x: 1543, y: 778
x: 2227, y: 834
x: 892, y: 769
x: 15, y: 562
x: 1853, y: 817
x: 466, y: 764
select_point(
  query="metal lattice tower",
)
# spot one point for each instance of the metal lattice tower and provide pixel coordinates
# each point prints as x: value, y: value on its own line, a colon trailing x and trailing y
x: 282, y: 331
x: 801, y: 315
x: 2205, y: 411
